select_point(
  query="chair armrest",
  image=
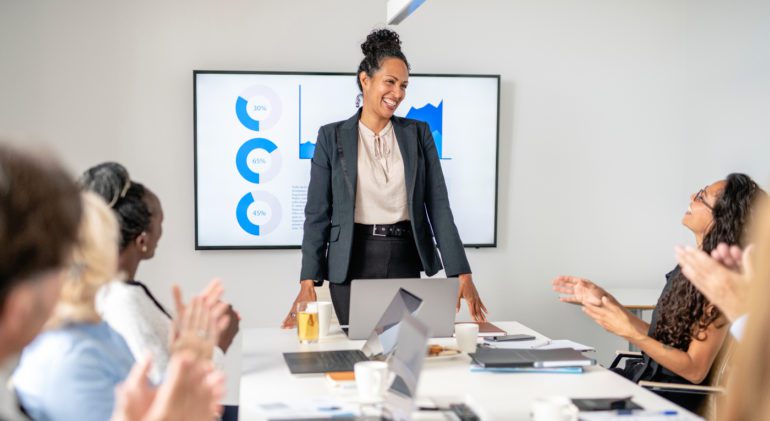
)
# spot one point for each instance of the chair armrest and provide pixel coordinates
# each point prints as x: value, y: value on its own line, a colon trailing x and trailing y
x: 621, y: 355
x: 682, y: 388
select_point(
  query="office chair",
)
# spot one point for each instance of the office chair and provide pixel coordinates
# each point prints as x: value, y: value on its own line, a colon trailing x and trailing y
x: 713, y: 387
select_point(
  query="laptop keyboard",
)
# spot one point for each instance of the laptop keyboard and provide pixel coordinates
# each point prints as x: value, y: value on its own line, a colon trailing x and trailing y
x: 340, y: 358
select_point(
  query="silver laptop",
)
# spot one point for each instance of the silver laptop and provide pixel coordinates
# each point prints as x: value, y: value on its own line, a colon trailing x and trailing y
x: 369, y: 297
x: 381, y: 343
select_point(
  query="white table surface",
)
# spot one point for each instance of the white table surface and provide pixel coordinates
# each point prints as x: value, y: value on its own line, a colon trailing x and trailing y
x: 494, y: 396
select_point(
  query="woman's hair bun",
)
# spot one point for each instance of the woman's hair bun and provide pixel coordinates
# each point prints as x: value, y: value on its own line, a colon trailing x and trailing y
x: 381, y: 40
x: 379, y: 45
x: 107, y: 180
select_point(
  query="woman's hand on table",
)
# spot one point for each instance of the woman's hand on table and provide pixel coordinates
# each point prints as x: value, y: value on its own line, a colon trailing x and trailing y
x: 306, y: 293
x: 471, y: 296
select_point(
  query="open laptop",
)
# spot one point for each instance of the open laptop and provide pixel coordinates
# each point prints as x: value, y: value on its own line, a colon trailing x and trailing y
x: 439, y: 297
x: 381, y: 341
x: 406, y: 366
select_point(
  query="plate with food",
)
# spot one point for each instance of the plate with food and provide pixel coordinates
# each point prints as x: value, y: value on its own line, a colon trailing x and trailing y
x: 440, y: 353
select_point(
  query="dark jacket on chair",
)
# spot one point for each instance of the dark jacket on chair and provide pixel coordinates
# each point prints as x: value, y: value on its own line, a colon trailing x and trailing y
x: 329, y: 212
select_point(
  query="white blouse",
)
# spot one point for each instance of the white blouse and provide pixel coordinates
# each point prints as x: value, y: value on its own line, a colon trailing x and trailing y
x: 145, y: 327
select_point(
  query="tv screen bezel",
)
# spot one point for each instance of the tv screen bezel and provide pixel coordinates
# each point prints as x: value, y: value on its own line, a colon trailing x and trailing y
x: 352, y: 75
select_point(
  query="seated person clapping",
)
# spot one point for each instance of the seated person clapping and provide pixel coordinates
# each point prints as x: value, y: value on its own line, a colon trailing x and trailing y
x: 70, y: 371
x: 40, y: 214
x: 130, y: 306
x: 686, y: 331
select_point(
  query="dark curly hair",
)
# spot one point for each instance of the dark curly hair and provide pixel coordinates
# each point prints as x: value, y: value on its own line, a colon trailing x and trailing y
x: 379, y: 45
x: 684, y: 312
x: 111, y: 181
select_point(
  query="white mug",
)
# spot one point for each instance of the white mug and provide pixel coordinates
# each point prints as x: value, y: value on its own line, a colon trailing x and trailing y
x: 324, y: 317
x: 371, y: 380
x: 554, y: 408
x: 467, y: 334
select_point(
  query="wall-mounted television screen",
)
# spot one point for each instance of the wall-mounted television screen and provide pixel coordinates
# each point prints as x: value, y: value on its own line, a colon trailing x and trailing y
x: 255, y: 134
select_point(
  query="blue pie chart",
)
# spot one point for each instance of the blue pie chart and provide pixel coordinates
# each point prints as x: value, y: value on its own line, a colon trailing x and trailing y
x: 258, y: 213
x: 258, y: 160
x: 258, y: 108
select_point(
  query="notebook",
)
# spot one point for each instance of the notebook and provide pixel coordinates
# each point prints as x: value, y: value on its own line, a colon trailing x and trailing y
x: 539, y: 358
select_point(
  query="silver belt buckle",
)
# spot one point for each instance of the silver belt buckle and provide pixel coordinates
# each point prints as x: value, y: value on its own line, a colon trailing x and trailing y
x: 374, y: 232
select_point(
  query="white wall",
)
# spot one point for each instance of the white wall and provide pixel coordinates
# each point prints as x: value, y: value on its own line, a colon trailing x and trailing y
x: 612, y: 113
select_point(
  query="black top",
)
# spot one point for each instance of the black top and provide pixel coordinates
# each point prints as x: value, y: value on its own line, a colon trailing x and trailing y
x: 649, y: 369
x: 149, y: 294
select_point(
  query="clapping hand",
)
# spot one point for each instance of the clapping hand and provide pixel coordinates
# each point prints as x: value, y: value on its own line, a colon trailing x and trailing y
x: 197, y: 326
x: 192, y: 391
x: 722, y: 277
x: 578, y: 290
x: 612, y: 317
x: 228, y: 320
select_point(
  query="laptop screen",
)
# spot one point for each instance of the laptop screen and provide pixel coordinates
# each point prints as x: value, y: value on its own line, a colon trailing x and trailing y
x: 406, y: 366
x: 383, y: 339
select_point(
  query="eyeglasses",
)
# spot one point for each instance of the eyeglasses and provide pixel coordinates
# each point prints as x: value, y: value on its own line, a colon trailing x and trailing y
x: 701, y: 197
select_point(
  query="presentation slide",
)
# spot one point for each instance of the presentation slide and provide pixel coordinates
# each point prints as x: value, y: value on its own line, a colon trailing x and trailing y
x: 255, y: 135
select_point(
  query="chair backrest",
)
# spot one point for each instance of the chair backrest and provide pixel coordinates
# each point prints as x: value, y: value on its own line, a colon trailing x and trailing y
x: 718, y: 378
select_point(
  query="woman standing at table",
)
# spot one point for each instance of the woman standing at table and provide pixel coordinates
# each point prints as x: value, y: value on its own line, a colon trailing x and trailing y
x: 376, y: 190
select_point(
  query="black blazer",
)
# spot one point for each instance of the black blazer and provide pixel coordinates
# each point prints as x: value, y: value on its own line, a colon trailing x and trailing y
x: 329, y: 212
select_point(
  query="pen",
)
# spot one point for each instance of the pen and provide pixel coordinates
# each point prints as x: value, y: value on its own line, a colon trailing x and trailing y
x: 632, y: 412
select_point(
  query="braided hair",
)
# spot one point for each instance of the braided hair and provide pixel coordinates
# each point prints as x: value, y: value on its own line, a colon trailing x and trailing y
x: 684, y: 312
x: 379, y: 45
x: 111, y: 181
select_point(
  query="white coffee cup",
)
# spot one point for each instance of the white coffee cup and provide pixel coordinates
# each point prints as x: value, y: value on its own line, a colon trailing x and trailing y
x: 554, y: 408
x: 324, y: 317
x: 467, y: 335
x: 371, y: 380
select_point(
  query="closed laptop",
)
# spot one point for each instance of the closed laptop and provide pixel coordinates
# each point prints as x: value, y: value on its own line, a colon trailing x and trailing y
x: 538, y: 358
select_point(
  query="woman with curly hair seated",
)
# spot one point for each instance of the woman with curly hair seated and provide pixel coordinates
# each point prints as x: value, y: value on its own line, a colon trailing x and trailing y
x: 686, y: 331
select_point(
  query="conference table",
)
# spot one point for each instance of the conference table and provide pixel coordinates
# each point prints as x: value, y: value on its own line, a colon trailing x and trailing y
x: 266, y: 381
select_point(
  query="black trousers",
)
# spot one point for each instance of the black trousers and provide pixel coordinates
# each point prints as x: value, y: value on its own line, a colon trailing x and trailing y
x: 375, y: 257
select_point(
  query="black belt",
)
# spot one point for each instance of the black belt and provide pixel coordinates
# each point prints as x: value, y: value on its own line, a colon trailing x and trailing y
x: 399, y: 229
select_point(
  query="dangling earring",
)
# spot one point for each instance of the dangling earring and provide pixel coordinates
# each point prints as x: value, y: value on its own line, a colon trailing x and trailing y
x: 358, y: 100
x: 144, y: 249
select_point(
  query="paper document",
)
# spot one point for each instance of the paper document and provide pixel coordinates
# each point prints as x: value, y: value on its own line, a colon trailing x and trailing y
x: 541, y: 344
x: 319, y: 408
x: 635, y: 415
x: 566, y: 343
x: 554, y: 370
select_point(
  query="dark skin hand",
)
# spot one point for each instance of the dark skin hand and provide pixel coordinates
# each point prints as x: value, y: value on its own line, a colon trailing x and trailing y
x: 232, y: 328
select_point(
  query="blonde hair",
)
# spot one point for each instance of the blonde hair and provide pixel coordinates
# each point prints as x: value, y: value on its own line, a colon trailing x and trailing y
x: 749, y: 385
x: 93, y: 263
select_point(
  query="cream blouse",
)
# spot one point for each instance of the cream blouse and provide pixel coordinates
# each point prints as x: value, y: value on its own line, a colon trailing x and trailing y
x: 381, y: 184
